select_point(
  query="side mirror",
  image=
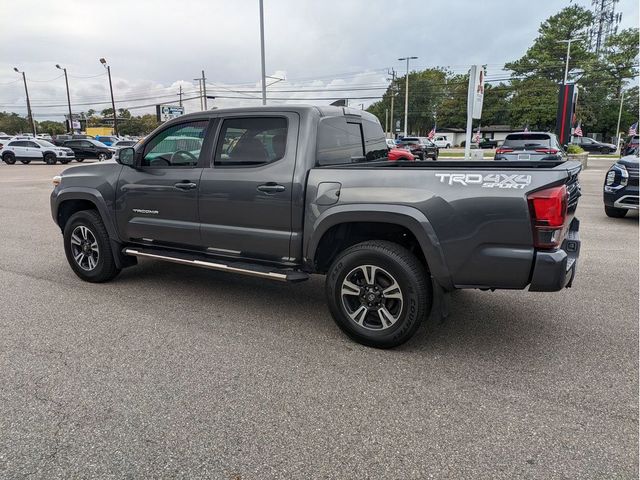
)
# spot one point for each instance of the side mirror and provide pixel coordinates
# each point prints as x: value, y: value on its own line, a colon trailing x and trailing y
x: 126, y: 156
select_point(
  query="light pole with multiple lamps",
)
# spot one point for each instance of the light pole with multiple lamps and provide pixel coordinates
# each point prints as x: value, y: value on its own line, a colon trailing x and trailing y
x: 26, y: 91
x: 566, y: 65
x: 406, y: 95
x: 113, y: 103
x: 66, y: 81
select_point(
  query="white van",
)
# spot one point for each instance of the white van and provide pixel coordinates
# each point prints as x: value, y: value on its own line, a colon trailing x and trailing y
x: 442, y: 141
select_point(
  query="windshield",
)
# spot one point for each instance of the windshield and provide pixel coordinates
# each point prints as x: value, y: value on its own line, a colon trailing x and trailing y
x: 96, y: 142
x: 44, y: 143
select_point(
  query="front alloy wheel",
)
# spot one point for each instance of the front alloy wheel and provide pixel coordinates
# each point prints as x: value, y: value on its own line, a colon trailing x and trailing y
x: 84, y: 248
x: 102, y: 157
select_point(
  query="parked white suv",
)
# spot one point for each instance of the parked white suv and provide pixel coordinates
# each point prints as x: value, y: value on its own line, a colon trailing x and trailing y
x: 35, y: 149
x: 442, y: 141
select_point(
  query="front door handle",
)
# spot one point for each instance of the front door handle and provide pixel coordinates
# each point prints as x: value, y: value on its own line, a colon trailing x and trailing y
x: 185, y: 185
x: 271, y: 187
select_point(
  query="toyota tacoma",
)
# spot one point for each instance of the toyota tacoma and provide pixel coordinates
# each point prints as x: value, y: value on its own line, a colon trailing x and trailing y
x: 283, y: 192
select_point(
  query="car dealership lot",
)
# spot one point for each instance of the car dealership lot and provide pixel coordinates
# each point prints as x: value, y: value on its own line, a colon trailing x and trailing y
x: 170, y: 371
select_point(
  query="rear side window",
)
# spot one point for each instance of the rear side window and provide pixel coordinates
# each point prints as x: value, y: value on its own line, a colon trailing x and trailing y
x: 339, y: 141
x: 527, y: 140
x: 375, y: 145
x: 249, y: 142
x: 17, y: 143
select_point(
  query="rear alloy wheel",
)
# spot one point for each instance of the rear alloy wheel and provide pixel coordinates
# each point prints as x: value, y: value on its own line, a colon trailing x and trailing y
x: 87, y: 247
x: 25, y: 161
x: 615, y: 212
x: 378, y: 293
x: 9, y: 158
x: 50, y: 159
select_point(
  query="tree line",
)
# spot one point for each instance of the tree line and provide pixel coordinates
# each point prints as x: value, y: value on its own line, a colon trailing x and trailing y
x: 12, y: 123
x: 528, y: 97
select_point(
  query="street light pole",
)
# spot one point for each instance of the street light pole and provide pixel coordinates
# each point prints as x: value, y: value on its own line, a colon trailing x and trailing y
x: 26, y: 91
x: 66, y: 81
x: 566, y: 65
x: 264, y: 74
x: 113, y: 103
x: 406, y: 95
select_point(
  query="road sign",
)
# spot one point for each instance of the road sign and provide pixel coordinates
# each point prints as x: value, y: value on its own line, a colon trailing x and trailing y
x: 167, y: 112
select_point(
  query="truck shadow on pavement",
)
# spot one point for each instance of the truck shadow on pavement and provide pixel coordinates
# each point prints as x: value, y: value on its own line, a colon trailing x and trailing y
x: 480, y: 324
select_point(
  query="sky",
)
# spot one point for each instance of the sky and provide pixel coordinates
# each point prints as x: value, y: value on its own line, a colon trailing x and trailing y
x: 328, y: 48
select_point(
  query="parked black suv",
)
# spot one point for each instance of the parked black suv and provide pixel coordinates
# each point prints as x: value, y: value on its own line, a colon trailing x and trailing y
x: 89, y: 148
x: 421, y: 147
x: 530, y: 146
x: 591, y: 145
x: 621, y: 186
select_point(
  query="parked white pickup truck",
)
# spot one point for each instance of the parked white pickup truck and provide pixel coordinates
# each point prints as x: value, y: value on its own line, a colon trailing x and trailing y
x: 442, y: 141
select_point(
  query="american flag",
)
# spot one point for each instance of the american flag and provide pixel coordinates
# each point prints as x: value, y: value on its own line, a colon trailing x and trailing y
x: 578, y: 130
x: 476, y: 138
x: 432, y: 133
x: 633, y: 129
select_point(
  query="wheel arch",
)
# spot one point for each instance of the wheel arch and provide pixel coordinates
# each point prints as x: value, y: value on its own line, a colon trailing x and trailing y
x: 70, y: 201
x: 342, y: 226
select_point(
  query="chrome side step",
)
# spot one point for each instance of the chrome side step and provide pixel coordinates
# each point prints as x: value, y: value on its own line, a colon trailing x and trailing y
x: 244, y: 269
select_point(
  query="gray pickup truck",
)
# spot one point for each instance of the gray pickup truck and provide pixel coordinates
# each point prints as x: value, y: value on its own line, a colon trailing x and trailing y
x: 284, y: 192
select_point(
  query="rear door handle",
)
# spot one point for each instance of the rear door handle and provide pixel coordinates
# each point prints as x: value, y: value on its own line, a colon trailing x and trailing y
x: 185, y: 185
x: 271, y: 187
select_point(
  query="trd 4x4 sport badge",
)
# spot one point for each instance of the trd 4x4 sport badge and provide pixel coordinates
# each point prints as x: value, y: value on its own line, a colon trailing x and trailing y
x: 492, y: 180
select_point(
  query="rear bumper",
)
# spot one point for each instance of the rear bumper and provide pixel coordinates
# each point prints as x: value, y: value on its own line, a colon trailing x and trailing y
x: 554, y: 270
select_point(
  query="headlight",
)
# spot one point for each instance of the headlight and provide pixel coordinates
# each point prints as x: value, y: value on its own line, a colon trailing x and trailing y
x: 56, y: 180
x: 618, y: 176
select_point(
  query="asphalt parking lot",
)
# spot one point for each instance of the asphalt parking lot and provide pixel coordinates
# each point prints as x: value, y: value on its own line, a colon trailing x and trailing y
x: 174, y: 372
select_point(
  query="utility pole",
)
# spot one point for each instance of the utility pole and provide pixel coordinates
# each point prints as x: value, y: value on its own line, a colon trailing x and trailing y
x: 406, y: 96
x: 66, y: 81
x: 180, y: 95
x: 393, y: 95
x: 264, y: 74
x: 113, y: 103
x: 386, y: 121
x: 618, y: 127
x: 26, y: 91
x: 204, y: 90
x: 200, y: 90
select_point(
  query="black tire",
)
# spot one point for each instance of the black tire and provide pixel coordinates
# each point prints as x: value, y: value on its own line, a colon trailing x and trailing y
x: 102, y: 157
x: 9, y: 158
x: 615, y: 212
x: 50, y: 159
x: 105, y: 267
x: 64, y: 162
x: 79, y: 160
x: 25, y: 161
x: 393, y: 262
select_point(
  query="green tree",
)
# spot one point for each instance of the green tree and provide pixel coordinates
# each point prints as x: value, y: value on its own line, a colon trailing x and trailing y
x: 52, y: 128
x: 12, y: 123
x: 546, y: 57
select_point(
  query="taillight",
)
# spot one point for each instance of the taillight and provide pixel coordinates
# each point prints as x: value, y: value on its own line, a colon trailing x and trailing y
x: 548, y: 210
x: 550, y: 151
x: 504, y: 150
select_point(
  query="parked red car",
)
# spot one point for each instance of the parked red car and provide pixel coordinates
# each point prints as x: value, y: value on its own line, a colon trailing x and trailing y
x: 396, y: 154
